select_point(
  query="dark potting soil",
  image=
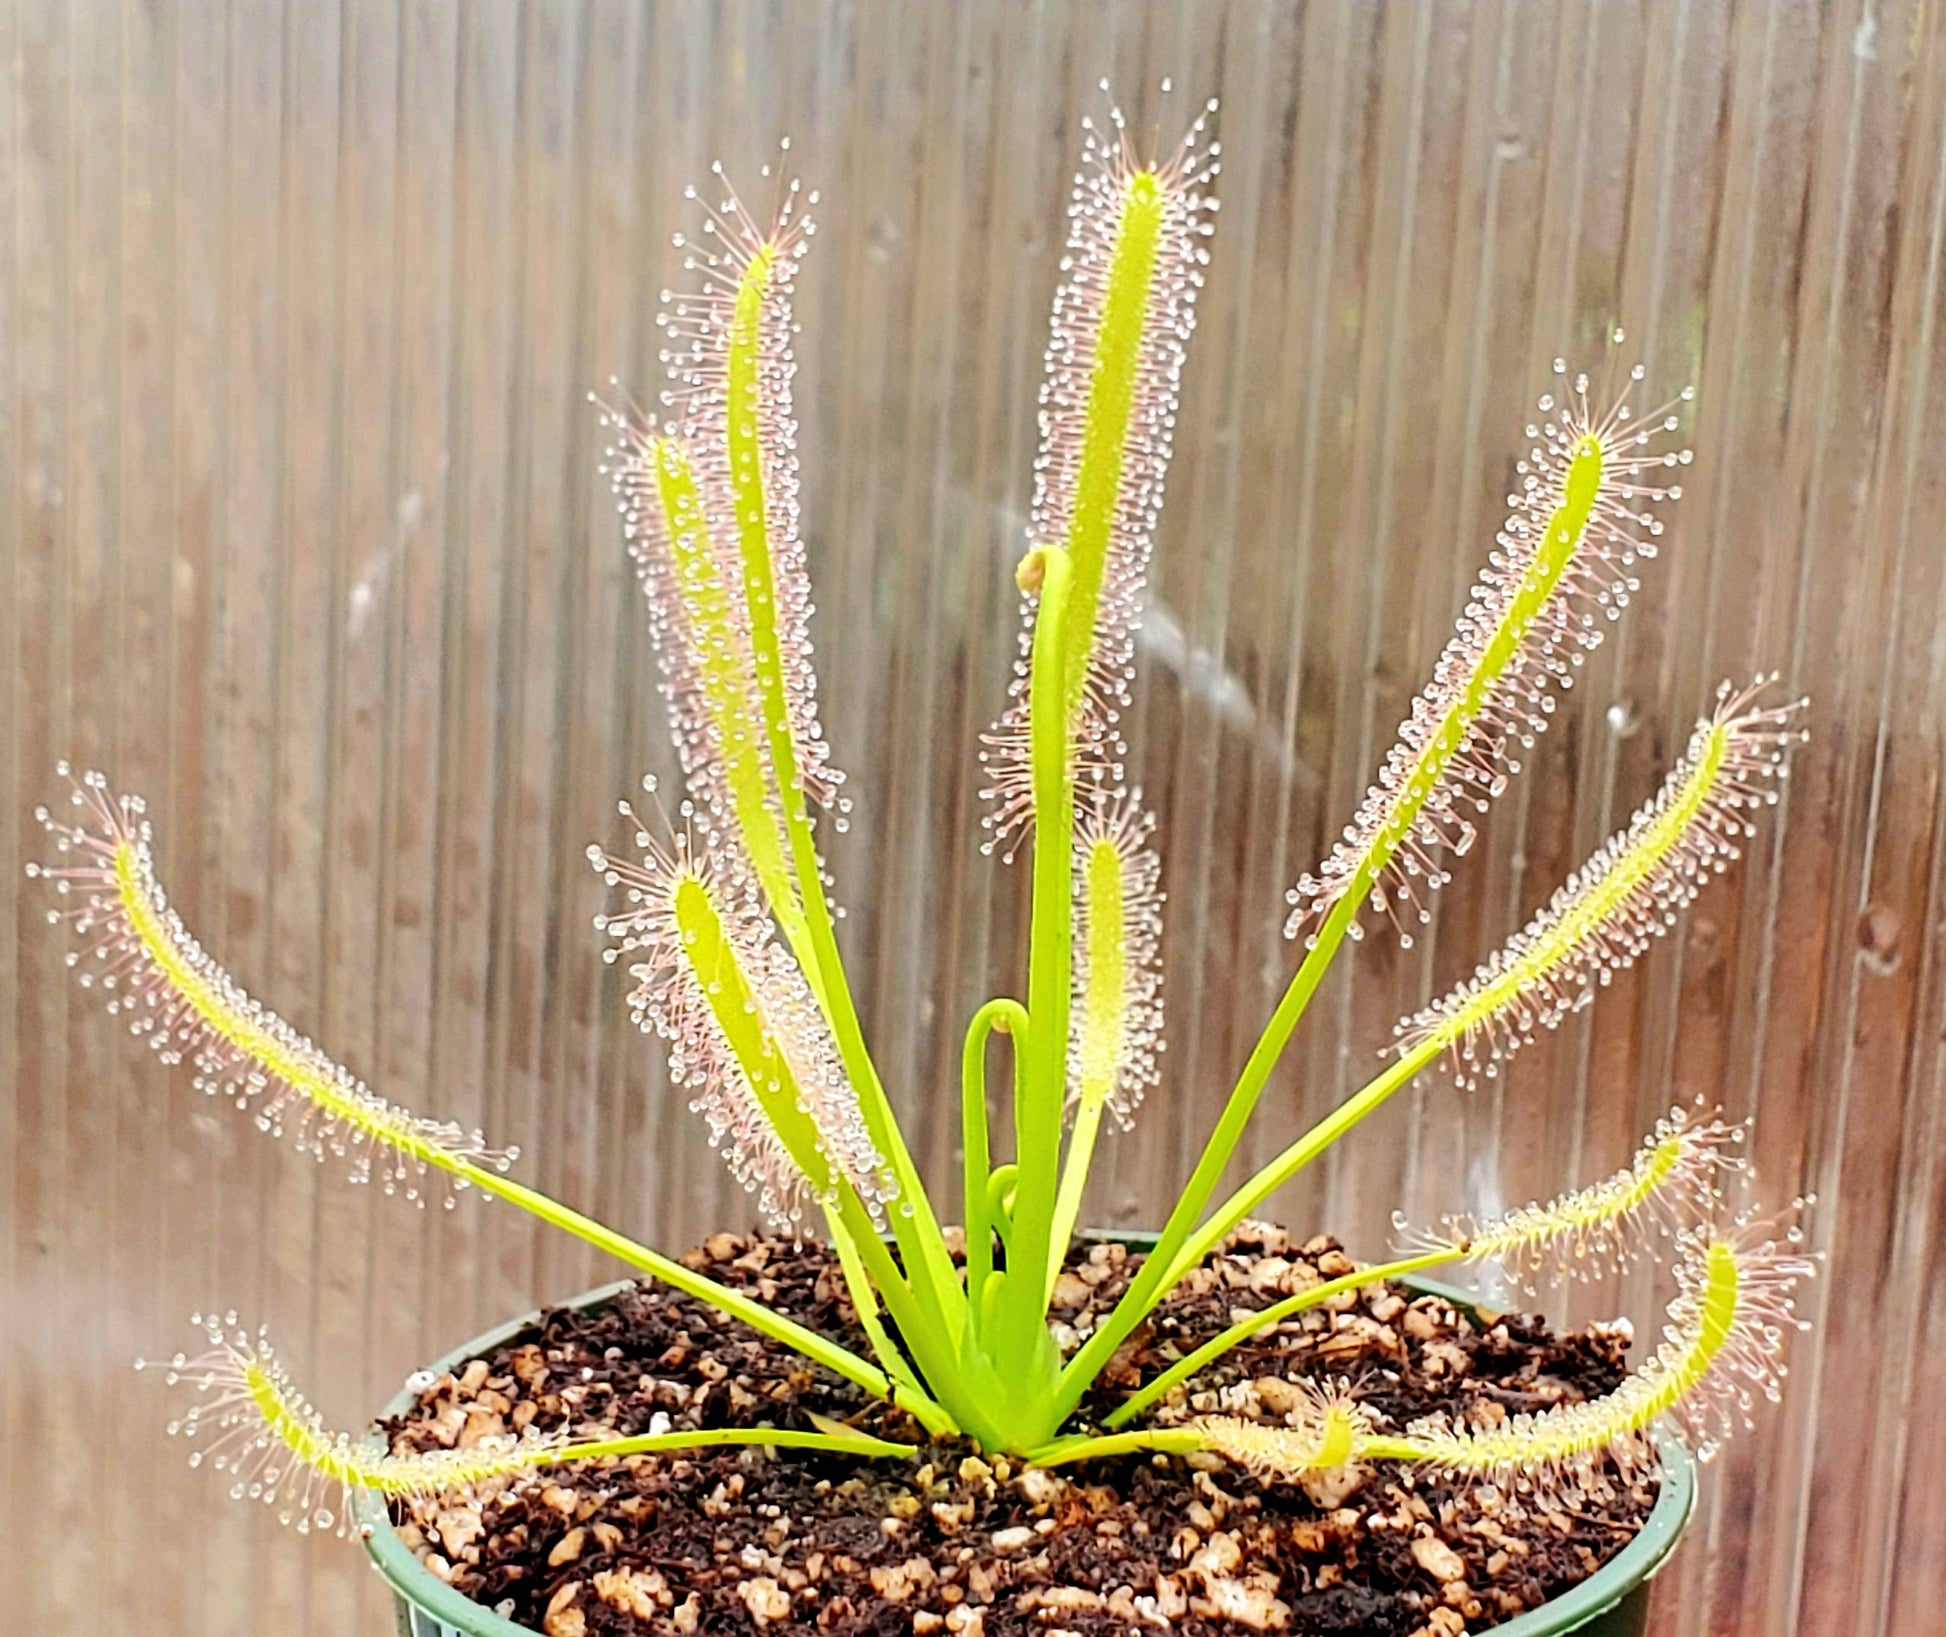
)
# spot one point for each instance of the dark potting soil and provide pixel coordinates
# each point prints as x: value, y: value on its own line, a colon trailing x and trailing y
x: 753, y: 1541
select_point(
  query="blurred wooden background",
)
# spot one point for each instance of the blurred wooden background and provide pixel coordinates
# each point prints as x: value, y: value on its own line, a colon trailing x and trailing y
x: 301, y: 534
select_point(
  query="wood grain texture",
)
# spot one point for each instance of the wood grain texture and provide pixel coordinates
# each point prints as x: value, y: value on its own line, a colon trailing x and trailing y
x: 301, y: 533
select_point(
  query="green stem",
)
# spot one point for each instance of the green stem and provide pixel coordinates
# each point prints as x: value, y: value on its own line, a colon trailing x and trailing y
x: 1042, y: 1093
x: 936, y: 1352
x: 1300, y: 1154
x: 1254, y: 1323
x: 1150, y: 1285
x: 1087, y: 1447
x: 772, y: 1081
x: 819, y: 1349
x: 837, y: 1443
x: 914, y: 1224
x: 1000, y: 1200
x: 844, y: 1442
x: 864, y: 1301
x: 913, y: 1221
x: 1074, y: 1183
x: 1010, y: 1017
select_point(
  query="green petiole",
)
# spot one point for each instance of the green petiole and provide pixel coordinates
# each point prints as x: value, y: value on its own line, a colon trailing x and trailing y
x: 1022, y: 1346
x: 913, y: 1222
x: 1008, y: 1017
x: 819, y: 1349
x: 1093, y: 1447
x: 833, y: 1443
x: 1567, y: 527
x: 1255, y: 1323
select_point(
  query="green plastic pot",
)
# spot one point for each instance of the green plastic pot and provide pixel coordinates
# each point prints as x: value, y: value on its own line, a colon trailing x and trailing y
x: 1611, y: 1602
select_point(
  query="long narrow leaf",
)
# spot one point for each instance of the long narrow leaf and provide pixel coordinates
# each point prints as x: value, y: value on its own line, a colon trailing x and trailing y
x: 1722, y: 1343
x: 731, y: 368
x: 731, y: 371
x: 1114, y: 1051
x: 134, y: 950
x: 250, y: 1423
x: 744, y: 1032
x: 1627, y: 895
x: 699, y: 625
x: 1562, y: 569
x: 1122, y: 320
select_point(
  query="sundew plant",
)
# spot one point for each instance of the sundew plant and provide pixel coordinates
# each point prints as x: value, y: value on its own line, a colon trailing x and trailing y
x: 723, y: 915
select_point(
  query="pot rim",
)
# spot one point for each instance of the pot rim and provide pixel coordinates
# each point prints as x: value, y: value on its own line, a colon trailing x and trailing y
x: 1635, y: 1564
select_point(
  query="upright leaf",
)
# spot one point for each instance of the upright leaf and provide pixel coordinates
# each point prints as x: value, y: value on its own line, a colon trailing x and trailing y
x: 731, y: 371
x: 1122, y: 320
x: 1562, y: 568
x: 1116, y: 1042
x: 744, y: 1032
x: 699, y: 625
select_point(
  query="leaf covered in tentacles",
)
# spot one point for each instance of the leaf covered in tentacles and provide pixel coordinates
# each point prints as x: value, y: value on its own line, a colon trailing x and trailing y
x: 1121, y: 326
x: 134, y: 950
x: 1625, y: 897
x: 1562, y: 568
x: 744, y: 1032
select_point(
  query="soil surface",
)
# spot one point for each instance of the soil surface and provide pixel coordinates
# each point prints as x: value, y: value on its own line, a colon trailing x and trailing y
x: 751, y: 1541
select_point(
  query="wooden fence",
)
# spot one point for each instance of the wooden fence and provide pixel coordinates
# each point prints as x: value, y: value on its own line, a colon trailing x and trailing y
x: 301, y: 534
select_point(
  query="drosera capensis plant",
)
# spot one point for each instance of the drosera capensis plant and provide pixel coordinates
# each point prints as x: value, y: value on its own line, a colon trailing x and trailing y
x: 722, y: 912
